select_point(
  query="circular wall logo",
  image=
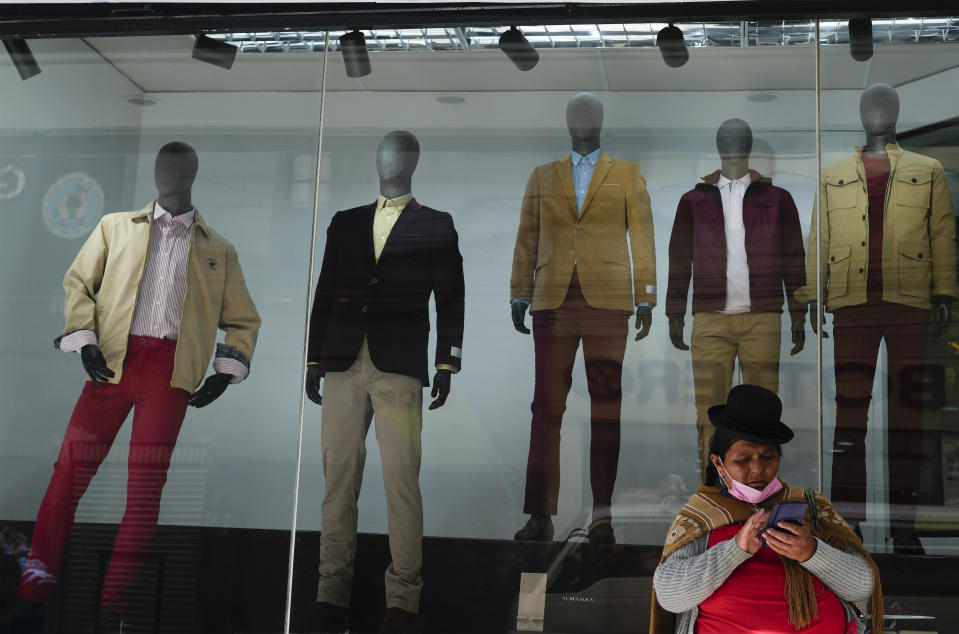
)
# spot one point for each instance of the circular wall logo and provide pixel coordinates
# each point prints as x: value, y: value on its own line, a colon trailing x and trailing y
x: 73, y: 205
x: 12, y: 182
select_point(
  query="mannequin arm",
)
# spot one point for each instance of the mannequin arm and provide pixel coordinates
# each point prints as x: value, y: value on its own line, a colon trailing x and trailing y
x: 816, y: 317
x: 799, y: 336
x: 518, y: 309
x: 941, y: 314
x: 644, y: 321
x: 211, y: 390
x: 313, y: 380
x: 95, y: 364
x: 441, y: 388
x: 676, y: 333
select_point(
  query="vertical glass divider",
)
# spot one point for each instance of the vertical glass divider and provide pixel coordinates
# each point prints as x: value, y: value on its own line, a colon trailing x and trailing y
x: 306, y: 340
x: 819, y: 289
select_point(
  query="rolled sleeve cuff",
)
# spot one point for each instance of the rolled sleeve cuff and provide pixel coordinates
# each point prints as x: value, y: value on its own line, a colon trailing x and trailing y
x: 229, y: 360
x: 75, y: 340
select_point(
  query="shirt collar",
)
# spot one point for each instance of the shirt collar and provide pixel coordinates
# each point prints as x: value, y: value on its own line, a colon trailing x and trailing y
x: 399, y: 203
x: 745, y: 181
x: 185, y: 219
x: 592, y: 157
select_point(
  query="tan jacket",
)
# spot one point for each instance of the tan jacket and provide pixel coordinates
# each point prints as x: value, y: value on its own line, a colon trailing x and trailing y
x: 918, y: 241
x: 552, y: 240
x: 104, y: 280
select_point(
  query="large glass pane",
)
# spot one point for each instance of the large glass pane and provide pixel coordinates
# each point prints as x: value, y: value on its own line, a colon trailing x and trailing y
x: 88, y: 137
x: 889, y: 254
x: 495, y: 154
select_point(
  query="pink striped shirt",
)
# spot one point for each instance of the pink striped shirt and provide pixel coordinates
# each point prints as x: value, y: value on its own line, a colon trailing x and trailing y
x: 162, y: 290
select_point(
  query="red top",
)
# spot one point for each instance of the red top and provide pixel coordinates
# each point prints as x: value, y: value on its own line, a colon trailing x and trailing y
x: 877, y: 178
x: 753, y: 601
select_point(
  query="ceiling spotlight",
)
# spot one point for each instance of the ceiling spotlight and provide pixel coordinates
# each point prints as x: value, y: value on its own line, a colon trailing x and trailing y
x: 355, y: 55
x: 518, y: 49
x: 860, y: 39
x: 22, y: 58
x: 672, y: 45
x: 215, y: 52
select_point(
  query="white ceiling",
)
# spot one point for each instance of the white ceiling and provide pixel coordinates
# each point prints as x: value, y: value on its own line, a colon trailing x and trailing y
x: 164, y: 64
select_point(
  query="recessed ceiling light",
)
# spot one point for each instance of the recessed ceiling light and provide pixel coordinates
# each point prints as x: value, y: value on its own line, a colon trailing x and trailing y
x: 451, y: 99
x: 141, y: 100
x: 762, y: 97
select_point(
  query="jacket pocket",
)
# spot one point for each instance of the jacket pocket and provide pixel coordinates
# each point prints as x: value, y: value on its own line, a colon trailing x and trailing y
x: 913, y: 188
x: 915, y: 269
x: 841, y: 190
x: 542, y: 260
x: 838, y: 264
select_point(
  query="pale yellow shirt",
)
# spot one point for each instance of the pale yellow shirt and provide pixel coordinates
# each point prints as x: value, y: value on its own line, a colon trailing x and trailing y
x: 387, y: 213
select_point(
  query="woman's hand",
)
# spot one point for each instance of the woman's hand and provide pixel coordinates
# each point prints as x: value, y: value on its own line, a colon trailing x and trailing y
x: 748, y: 536
x: 791, y: 540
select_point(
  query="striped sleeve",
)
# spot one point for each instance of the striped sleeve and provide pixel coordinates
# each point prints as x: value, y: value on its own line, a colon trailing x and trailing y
x: 692, y: 573
x: 847, y: 574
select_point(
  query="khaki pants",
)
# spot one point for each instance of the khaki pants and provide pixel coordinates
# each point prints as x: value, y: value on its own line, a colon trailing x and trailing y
x: 351, y: 400
x: 717, y: 340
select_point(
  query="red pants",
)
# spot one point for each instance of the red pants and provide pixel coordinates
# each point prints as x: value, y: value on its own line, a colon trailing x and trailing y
x: 858, y: 331
x: 99, y: 413
x: 556, y: 336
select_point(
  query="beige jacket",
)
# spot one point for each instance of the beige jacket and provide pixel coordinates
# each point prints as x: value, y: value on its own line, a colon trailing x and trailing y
x: 918, y: 241
x: 552, y: 239
x: 104, y: 280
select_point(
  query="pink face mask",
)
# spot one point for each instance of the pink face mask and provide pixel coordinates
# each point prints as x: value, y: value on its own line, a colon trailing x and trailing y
x: 748, y: 494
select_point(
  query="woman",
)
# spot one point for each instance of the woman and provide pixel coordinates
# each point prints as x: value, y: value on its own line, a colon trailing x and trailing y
x: 716, y: 576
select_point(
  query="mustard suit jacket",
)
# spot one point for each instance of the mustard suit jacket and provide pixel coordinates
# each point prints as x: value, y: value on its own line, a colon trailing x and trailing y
x: 553, y: 239
x: 103, y: 282
x: 918, y: 234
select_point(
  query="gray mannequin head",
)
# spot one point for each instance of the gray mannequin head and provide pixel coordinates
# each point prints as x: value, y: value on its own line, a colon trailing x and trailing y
x: 879, y: 111
x: 175, y: 169
x: 584, y: 118
x: 734, y: 140
x: 397, y: 156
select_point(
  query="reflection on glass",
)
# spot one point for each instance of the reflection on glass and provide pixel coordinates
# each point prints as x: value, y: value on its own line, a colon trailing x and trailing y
x: 572, y: 269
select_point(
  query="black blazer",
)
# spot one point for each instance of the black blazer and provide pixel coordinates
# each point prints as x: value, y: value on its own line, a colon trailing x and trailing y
x: 388, y: 301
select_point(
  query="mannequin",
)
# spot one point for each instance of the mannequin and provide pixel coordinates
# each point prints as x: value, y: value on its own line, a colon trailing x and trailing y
x: 580, y: 283
x: 889, y: 273
x: 368, y: 338
x: 738, y: 237
x: 144, y: 299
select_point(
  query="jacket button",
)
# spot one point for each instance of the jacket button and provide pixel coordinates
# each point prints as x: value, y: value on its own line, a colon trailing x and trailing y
x: 832, y: 258
x: 374, y: 281
x: 840, y: 182
x: 920, y: 256
x: 914, y: 180
x: 860, y: 270
x: 864, y: 216
x: 572, y: 251
x: 365, y: 308
x: 579, y: 226
x: 863, y: 243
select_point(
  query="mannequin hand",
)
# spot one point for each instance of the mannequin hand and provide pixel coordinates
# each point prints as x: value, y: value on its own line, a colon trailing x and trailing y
x: 791, y: 540
x: 748, y: 538
x: 676, y: 334
x: 644, y: 321
x: 816, y: 317
x: 313, y: 378
x: 211, y: 390
x: 441, y: 387
x: 95, y: 364
x: 941, y: 314
x: 518, y: 311
x: 799, y: 336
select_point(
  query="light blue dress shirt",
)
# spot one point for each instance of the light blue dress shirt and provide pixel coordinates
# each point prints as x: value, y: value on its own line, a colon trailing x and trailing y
x: 583, y: 167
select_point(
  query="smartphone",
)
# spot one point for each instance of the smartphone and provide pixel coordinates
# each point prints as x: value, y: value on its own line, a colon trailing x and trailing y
x: 785, y: 512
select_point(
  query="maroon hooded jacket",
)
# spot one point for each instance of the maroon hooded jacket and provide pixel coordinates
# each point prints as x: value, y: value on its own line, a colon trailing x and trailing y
x: 774, y: 249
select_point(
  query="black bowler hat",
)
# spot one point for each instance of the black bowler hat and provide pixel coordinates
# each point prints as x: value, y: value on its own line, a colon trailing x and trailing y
x: 751, y: 413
